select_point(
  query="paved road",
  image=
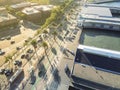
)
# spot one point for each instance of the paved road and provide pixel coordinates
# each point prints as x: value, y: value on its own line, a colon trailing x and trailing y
x: 58, y: 62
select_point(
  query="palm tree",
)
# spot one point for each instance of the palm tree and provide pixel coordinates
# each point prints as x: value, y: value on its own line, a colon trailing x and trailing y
x: 46, y: 31
x: 34, y: 44
x: 45, y: 45
x: 9, y: 59
x: 54, y: 33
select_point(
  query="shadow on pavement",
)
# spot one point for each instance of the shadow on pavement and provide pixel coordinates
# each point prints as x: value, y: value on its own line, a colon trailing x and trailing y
x: 60, y: 37
x: 17, y: 81
x: 55, y: 82
x: 56, y: 76
x: 64, y: 51
x: 5, y: 32
x: 54, y: 51
x: 41, y: 69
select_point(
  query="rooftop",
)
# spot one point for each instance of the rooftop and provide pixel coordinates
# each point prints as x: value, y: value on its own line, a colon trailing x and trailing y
x: 95, y: 67
x: 2, y: 9
x: 23, y: 4
x: 4, y: 15
x: 98, y: 15
x: 100, y: 51
x: 99, y: 11
x: 30, y: 11
x: 43, y: 7
x: 9, y: 17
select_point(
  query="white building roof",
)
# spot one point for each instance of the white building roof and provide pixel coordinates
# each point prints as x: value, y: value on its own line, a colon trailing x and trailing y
x: 43, y: 7
x: 6, y: 17
x: 30, y: 10
x: 99, y: 11
x: 100, y: 51
x: 23, y: 4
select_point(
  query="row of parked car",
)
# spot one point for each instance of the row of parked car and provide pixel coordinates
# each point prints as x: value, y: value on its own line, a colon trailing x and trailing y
x: 9, y: 72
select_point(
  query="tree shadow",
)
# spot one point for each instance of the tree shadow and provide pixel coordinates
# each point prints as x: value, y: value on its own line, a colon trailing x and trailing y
x: 41, y: 59
x: 28, y: 24
x: 55, y: 82
x: 45, y: 77
x: 60, y: 37
x: 56, y: 76
x: 9, y: 32
x: 63, y: 50
x: 41, y: 70
x: 54, y: 51
x: 16, y: 83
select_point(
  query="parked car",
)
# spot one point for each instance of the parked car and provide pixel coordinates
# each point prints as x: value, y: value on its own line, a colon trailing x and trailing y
x: 18, y: 48
x: 2, y: 52
x: 27, y: 56
x: 18, y: 63
x: 2, y: 71
x: 8, y: 72
x: 30, y: 51
x: 3, y: 38
x: 12, y: 42
x: 23, y: 56
x: 8, y: 37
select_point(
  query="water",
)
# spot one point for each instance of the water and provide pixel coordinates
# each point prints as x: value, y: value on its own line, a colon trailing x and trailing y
x: 112, y: 4
x: 101, y: 38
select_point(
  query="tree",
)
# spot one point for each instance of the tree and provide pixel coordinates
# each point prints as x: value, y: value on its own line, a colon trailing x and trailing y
x: 9, y: 59
x: 45, y: 45
x: 54, y: 33
x: 46, y: 31
x: 34, y: 44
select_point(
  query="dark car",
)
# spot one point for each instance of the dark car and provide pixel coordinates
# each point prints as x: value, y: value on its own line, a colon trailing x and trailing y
x: 8, y: 72
x: 32, y: 79
x: 18, y: 63
x: 2, y: 71
x: 23, y: 56
x: 27, y: 56
x: 18, y: 48
x: 12, y: 42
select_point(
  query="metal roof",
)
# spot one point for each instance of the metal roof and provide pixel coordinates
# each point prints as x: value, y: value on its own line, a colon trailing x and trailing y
x: 30, y: 11
x: 100, y: 11
x: 100, y: 51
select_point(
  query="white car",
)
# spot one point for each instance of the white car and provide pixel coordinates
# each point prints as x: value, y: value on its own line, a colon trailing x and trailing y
x: 2, y: 52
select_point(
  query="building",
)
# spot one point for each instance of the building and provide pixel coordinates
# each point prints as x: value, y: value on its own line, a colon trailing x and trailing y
x: 37, y: 13
x: 6, y: 19
x: 22, y: 5
x: 32, y: 14
x: 114, y: 10
x: 44, y: 9
x: 96, y: 68
x: 93, y: 16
